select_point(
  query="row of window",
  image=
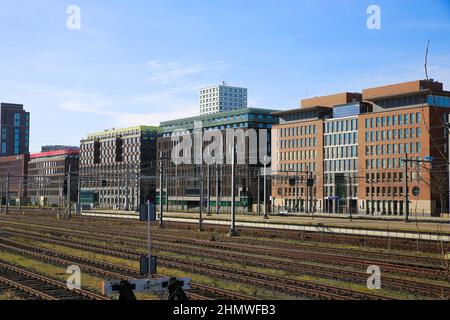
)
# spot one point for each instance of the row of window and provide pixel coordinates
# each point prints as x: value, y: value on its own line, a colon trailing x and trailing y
x: 409, y: 148
x: 297, y: 155
x: 341, y: 165
x: 297, y: 143
x: 341, y: 139
x: 396, y: 134
x: 341, y: 126
x: 297, y: 131
x: 297, y: 167
x: 341, y: 152
x: 386, y: 163
x: 405, y: 119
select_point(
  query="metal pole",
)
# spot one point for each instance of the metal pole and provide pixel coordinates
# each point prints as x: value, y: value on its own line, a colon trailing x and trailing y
x: 161, y: 193
x: 406, y: 189
x: 167, y: 190
x: 258, y: 209
x: 78, y: 193
x: 148, y: 241
x: 311, y: 207
x: 127, y: 194
x: 7, y: 193
x: 209, y: 190
x: 69, y: 209
x: 217, y: 190
x: 266, y: 216
x: 20, y: 192
x: 233, y: 231
x: 1, y: 198
x: 448, y: 155
x: 350, y: 198
x: 200, y: 218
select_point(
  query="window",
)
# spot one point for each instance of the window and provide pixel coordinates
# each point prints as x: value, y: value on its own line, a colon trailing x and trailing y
x: 16, y: 119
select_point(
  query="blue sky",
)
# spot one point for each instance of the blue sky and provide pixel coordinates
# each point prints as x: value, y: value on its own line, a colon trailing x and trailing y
x: 143, y: 61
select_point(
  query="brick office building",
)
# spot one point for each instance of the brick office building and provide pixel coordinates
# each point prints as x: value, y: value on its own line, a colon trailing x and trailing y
x: 365, y: 140
x: 407, y: 121
x: 297, y: 154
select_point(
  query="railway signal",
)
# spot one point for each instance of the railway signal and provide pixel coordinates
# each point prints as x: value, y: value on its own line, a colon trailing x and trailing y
x: 172, y: 288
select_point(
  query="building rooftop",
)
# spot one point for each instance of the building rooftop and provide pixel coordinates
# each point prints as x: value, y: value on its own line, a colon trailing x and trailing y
x: 66, y: 152
x: 205, y: 118
x: 403, y: 88
x: 122, y: 131
x: 332, y: 100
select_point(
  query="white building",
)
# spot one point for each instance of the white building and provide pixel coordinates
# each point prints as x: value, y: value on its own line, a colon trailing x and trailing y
x: 222, y: 98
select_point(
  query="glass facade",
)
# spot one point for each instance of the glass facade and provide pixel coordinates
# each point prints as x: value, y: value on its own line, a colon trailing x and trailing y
x: 439, y: 101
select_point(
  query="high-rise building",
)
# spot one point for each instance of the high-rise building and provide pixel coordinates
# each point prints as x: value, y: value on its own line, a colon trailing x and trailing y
x: 112, y: 164
x: 377, y: 153
x: 15, y: 130
x: 222, y: 98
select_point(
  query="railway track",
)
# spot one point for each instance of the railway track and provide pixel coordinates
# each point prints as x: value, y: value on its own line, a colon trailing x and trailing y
x: 111, y: 271
x: 357, y: 277
x: 296, y: 287
x: 233, y: 251
x: 336, y: 259
x: 40, y: 286
x: 401, y: 259
x: 360, y: 241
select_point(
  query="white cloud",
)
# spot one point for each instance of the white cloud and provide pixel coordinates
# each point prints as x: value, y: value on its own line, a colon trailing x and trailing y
x: 170, y: 73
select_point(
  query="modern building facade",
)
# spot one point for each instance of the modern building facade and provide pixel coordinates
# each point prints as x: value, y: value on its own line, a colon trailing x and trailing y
x: 222, y: 98
x: 183, y: 193
x: 13, y: 173
x: 15, y: 130
x: 363, y: 144
x: 297, y: 158
x: 48, y: 176
x: 115, y: 166
x: 408, y: 122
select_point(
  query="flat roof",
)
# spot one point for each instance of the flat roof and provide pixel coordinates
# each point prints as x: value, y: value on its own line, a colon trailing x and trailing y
x: 299, y: 110
x: 67, y: 152
x: 219, y: 115
x: 123, y: 130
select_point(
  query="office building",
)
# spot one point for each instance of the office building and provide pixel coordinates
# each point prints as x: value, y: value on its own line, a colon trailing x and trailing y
x: 183, y: 193
x: 48, y: 174
x: 113, y: 167
x: 363, y: 142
